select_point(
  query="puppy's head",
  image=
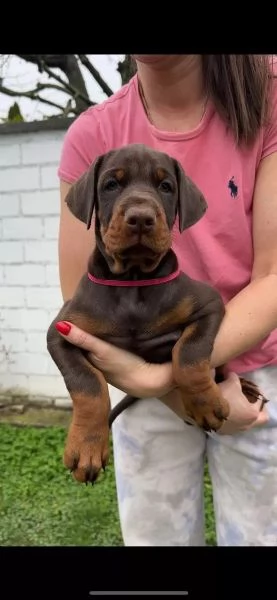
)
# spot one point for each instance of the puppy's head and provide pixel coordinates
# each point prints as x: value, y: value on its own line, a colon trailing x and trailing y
x: 136, y: 193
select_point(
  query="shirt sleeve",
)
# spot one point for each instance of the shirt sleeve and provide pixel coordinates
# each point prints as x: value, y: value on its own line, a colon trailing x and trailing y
x: 270, y: 131
x: 82, y: 144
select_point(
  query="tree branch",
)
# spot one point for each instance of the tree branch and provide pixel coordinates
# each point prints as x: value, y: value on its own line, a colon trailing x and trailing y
x: 68, y: 64
x: 56, y: 61
x: 51, y: 86
x: 33, y: 95
x: 86, y: 62
x: 67, y: 87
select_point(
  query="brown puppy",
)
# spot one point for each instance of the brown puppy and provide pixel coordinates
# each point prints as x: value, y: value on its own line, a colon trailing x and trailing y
x: 135, y: 297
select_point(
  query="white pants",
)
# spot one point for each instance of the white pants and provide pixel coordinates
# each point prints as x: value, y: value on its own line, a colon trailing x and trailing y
x: 159, y: 474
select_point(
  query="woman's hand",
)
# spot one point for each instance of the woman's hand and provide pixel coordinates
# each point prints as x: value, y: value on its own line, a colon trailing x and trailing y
x: 243, y: 415
x: 122, y: 369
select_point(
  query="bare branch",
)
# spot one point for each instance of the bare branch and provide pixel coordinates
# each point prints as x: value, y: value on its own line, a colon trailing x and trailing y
x: 33, y: 95
x: 68, y: 64
x: 69, y: 81
x: 51, y: 86
x: 86, y: 62
x: 71, y: 90
x: 56, y: 61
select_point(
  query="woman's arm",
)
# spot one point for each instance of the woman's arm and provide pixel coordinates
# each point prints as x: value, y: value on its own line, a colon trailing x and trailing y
x: 252, y: 314
x: 75, y: 246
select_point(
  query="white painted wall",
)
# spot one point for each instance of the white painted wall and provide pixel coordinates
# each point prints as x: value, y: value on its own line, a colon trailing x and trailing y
x: 29, y: 288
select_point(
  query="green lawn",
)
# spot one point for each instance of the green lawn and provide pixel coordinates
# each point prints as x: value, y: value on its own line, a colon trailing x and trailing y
x: 40, y: 503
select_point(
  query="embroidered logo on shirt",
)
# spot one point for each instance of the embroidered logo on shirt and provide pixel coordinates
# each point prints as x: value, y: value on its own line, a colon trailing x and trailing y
x: 233, y: 187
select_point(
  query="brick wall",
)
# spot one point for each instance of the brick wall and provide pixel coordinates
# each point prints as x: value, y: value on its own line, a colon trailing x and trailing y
x: 29, y: 286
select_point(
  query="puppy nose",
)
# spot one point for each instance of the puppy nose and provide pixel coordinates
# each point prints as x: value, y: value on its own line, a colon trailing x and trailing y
x: 140, y: 219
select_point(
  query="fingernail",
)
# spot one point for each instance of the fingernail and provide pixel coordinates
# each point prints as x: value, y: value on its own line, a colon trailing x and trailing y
x: 63, y: 327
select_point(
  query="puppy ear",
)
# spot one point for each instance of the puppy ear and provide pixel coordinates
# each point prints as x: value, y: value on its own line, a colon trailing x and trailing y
x: 191, y: 202
x: 82, y: 196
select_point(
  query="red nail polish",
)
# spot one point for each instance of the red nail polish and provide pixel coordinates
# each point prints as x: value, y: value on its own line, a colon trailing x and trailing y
x: 63, y: 327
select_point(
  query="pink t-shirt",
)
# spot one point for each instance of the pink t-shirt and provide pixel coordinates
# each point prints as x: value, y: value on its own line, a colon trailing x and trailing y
x: 218, y: 249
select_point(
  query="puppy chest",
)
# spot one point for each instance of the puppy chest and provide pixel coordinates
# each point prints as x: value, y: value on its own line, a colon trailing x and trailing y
x: 125, y: 312
x: 130, y: 315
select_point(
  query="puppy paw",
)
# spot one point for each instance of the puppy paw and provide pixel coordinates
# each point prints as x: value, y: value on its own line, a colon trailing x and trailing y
x: 86, y: 452
x: 208, y: 409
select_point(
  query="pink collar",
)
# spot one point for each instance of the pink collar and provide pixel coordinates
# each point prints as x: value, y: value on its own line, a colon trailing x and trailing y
x: 138, y: 283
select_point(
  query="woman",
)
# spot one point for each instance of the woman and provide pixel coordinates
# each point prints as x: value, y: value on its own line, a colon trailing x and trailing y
x: 217, y: 115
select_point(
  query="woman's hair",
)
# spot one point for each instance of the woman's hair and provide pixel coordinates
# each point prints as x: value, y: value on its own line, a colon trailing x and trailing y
x: 240, y: 87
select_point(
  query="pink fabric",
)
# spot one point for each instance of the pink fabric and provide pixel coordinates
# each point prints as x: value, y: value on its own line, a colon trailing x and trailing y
x: 132, y: 283
x: 218, y: 249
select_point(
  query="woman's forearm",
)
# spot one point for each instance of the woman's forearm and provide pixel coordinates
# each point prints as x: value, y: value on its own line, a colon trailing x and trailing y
x: 250, y: 317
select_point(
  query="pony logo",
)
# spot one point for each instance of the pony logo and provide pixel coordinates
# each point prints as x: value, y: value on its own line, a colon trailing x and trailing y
x: 233, y: 187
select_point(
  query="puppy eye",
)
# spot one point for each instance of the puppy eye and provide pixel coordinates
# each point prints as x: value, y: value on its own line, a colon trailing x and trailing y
x: 165, y: 186
x: 111, y: 184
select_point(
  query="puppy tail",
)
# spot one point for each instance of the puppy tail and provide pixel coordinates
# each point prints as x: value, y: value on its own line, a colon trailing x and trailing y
x: 120, y: 407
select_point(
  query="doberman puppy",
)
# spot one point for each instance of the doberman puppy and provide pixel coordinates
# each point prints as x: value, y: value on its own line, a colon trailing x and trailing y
x: 135, y: 297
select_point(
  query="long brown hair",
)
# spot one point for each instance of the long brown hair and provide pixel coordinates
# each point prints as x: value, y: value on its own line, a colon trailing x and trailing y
x: 240, y: 87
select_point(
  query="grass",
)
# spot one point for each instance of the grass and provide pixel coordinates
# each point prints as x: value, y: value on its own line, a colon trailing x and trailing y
x: 40, y: 503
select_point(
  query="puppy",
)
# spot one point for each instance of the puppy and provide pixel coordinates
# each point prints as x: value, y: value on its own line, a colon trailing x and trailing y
x: 135, y: 297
